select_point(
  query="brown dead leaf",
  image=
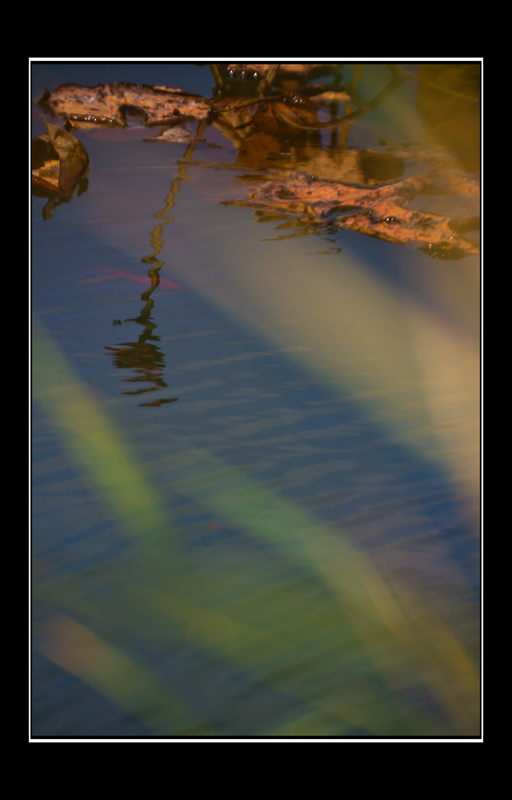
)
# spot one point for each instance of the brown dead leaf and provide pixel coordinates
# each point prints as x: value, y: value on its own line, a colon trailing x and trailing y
x: 234, y: 118
x: 379, y: 212
x: 58, y: 161
x: 239, y: 119
x: 281, y: 118
x: 109, y: 104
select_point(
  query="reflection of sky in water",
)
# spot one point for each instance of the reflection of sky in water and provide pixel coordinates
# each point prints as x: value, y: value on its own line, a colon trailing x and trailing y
x: 246, y: 401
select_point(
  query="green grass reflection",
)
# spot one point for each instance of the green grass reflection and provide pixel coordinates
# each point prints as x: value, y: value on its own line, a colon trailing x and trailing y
x: 353, y: 649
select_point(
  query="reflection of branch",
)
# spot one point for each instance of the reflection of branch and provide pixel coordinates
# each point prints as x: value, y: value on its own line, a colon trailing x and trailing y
x: 142, y: 356
x: 157, y: 241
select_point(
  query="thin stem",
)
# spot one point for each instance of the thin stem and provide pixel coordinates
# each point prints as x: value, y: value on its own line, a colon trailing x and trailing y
x: 267, y: 82
x: 218, y: 77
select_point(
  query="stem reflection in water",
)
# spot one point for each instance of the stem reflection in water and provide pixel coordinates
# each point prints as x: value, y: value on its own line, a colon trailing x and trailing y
x: 144, y: 357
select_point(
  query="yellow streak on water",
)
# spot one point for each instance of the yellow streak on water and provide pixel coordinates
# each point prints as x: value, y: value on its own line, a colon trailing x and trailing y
x: 120, y: 679
x: 415, y: 373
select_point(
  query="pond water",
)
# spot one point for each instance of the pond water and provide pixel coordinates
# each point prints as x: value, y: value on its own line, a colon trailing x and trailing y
x: 255, y: 475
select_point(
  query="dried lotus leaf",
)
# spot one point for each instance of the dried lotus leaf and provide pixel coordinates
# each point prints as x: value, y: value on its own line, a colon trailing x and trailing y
x: 108, y: 105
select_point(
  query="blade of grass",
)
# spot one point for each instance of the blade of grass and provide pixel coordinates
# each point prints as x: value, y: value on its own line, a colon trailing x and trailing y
x: 110, y: 672
x: 375, y: 617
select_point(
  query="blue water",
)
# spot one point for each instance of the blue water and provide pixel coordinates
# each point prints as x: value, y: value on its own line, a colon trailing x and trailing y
x: 245, y: 401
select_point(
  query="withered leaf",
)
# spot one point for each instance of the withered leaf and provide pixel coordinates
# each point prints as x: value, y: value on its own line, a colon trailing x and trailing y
x: 58, y: 161
x: 177, y: 135
x: 278, y: 117
x: 380, y: 212
x: 109, y: 104
x: 244, y: 121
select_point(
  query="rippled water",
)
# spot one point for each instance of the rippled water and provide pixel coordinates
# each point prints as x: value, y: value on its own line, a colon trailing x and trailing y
x: 255, y: 488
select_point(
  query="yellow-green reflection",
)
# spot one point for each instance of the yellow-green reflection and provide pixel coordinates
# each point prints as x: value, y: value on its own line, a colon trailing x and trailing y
x: 414, y: 372
x: 448, y: 102
x: 93, y: 441
x: 398, y: 641
x: 328, y: 639
x: 122, y: 680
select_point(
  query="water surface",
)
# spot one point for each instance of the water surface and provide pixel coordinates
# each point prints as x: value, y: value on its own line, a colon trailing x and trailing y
x: 255, y: 478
